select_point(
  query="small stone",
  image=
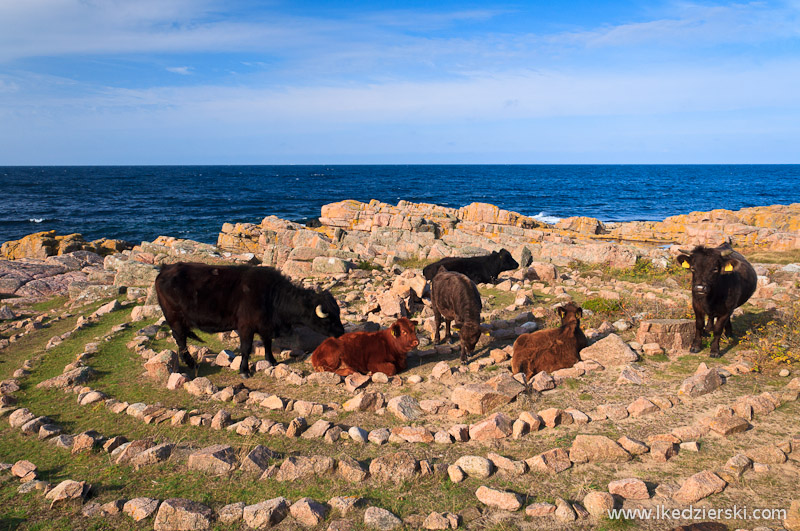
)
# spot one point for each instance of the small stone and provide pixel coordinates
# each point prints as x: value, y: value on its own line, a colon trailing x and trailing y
x: 540, y: 509
x: 140, y: 508
x: 564, y: 511
x: 475, y: 466
x: 178, y: 514
x: 66, y: 491
x: 598, y: 503
x: 377, y: 518
x: 308, y: 512
x: 218, y: 459
x: 266, y: 514
x: 344, y: 504
x: 405, y: 408
x: 455, y: 474
x: 629, y: 488
x: 699, y: 486
x: 507, y: 501
x: 231, y: 514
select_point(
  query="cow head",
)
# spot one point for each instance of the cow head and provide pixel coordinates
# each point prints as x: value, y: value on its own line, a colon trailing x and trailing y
x: 469, y: 335
x: 405, y: 334
x: 570, y: 312
x: 507, y: 262
x: 706, y: 265
x: 325, y: 318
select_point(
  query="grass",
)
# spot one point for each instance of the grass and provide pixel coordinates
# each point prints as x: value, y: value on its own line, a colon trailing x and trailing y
x: 642, y: 271
x: 120, y: 375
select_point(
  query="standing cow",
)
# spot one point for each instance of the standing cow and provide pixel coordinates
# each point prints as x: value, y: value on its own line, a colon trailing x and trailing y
x: 365, y: 352
x: 722, y: 280
x: 250, y: 300
x: 478, y: 268
x: 455, y: 297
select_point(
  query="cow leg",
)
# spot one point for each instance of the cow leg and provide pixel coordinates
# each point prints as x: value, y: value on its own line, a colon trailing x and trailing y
x: 245, y: 347
x: 437, y: 323
x: 386, y: 368
x: 720, y: 324
x: 699, y: 325
x: 179, y: 334
x: 464, y: 353
x: 266, y: 337
x: 447, y: 335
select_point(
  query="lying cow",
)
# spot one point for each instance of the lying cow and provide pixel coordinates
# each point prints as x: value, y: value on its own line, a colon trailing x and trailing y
x: 455, y: 297
x: 480, y: 269
x: 250, y: 300
x: 553, y: 349
x: 722, y: 280
x: 365, y: 352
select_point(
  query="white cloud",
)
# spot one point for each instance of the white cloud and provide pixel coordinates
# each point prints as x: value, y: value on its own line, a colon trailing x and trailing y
x: 182, y: 70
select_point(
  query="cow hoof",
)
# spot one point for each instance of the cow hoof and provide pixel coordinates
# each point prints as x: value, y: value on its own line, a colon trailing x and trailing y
x: 716, y: 354
x: 244, y: 375
x: 694, y: 350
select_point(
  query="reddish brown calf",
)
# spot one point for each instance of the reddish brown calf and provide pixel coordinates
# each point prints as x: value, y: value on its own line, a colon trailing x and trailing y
x: 553, y: 349
x: 383, y: 351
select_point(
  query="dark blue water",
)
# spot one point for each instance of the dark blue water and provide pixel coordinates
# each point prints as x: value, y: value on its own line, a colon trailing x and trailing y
x: 138, y: 203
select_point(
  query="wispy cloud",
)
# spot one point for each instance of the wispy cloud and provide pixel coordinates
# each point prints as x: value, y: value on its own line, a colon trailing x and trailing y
x: 182, y: 70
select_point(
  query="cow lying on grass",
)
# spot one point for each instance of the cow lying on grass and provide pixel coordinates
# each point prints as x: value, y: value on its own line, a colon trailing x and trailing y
x: 722, y: 280
x: 553, y: 349
x: 478, y: 268
x: 455, y: 297
x: 365, y: 352
x: 250, y: 300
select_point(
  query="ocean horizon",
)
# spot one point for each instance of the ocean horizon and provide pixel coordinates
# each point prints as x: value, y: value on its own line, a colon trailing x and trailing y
x: 139, y: 203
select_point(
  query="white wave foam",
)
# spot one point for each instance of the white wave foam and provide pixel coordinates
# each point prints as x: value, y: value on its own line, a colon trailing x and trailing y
x: 544, y: 217
x: 36, y: 220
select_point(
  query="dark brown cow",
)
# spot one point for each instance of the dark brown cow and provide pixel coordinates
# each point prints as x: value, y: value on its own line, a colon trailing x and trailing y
x: 250, y: 300
x: 478, y: 268
x: 722, y: 280
x: 553, y: 349
x: 365, y: 352
x: 455, y: 297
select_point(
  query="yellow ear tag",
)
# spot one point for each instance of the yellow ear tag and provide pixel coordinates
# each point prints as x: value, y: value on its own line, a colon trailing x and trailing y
x: 729, y: 267
x: 685, y: 265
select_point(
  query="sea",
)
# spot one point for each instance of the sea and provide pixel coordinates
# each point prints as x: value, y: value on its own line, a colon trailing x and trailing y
x: 139, y: 203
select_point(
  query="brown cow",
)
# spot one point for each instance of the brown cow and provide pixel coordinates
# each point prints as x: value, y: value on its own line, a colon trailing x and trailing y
x: 455, y: 297
x: 553, y: 349
x: 383, y: 351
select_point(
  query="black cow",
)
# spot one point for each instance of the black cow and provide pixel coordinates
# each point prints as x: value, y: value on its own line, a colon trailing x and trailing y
x: 478, y: 268
x: 722, y: 280
x: 455, y: 297
x: 250, y: 300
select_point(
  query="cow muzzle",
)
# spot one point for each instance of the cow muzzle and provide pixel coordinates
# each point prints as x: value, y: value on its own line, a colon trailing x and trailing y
x: 700, y: 289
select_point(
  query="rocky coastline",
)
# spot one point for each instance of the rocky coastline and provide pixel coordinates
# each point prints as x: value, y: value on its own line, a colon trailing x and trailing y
x: 352, y: 234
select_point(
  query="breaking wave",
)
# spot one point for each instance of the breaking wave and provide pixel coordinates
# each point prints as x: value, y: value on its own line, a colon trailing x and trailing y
x: 544, y: 217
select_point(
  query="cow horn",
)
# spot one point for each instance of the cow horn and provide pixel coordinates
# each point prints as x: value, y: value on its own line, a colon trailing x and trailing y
x: 725, y: 253
x: 684, y: 251
x: 320, y: 312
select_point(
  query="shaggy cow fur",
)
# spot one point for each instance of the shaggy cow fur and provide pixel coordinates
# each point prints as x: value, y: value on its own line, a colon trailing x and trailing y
x: 365, y: 352
x: 553, y: 349
x: 455, y: 297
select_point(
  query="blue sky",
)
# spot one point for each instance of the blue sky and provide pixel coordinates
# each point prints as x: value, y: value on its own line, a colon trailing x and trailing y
x: 274, y: 82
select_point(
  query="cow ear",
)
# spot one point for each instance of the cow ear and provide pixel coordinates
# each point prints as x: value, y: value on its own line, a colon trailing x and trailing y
x: 395, y: 330
x: 684, y: 261
x: 414, y: 323
x: 730, y: 265
x: 560, y: 311
x: 579, y: 312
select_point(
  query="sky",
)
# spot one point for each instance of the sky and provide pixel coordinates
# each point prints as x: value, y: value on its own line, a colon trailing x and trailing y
x: 85, y: 82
